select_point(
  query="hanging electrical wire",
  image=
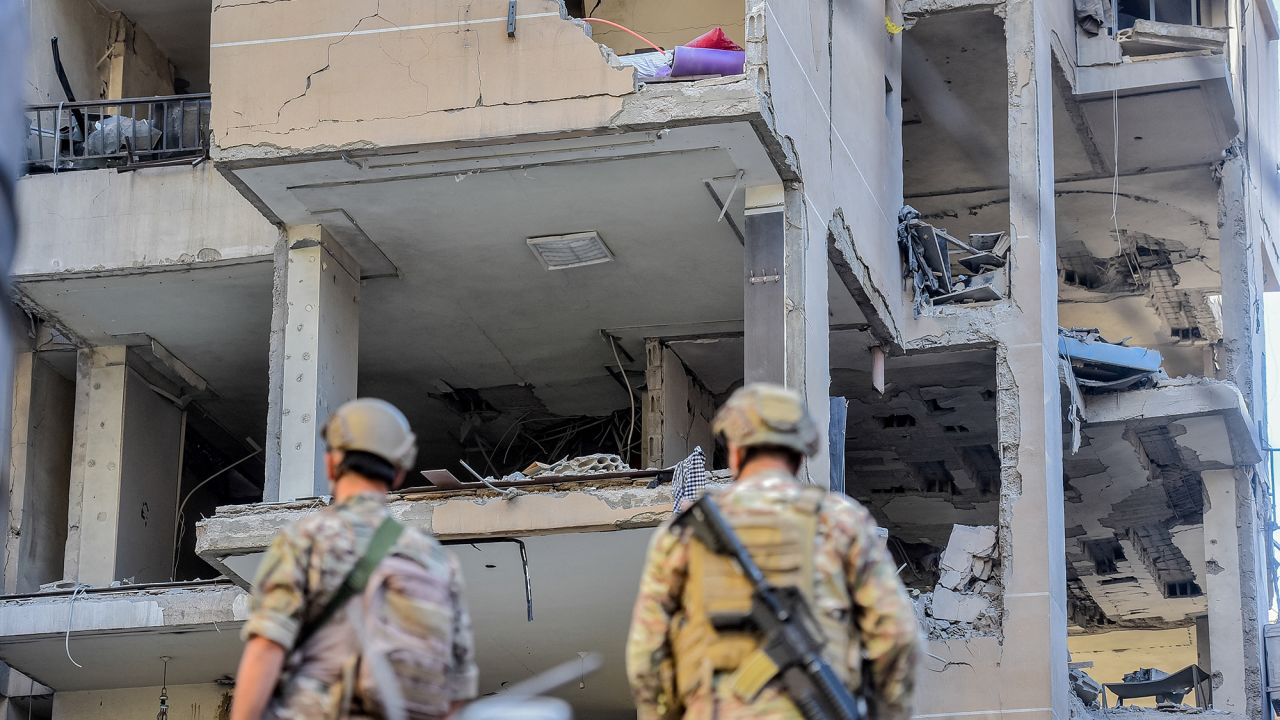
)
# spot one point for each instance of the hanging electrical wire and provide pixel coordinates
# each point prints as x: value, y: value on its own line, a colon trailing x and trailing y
x: 631, y: 396
x: 180, y: 529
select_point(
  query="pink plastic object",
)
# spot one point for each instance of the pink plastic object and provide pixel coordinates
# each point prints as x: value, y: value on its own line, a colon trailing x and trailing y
x: 713, y: 39
x: 706, y: 61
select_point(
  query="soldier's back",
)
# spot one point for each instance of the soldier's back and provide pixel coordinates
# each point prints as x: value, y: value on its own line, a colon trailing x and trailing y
x: 801, y: 535
x: 301, y: 574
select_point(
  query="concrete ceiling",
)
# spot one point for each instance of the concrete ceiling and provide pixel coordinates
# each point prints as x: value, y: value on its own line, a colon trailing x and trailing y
x: 130, y: 659
x: 473, y: 307
x: 180, y: 28
x: 215, y: 320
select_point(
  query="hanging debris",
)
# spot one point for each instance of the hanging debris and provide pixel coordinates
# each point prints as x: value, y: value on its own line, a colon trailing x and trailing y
x: 946, y: 270
x: 1098, y: 365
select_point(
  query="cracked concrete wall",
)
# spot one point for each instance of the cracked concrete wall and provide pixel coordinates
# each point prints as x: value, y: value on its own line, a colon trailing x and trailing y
x: 395, y: 72
x: 209, y: 701
x: 103, y: 221
x: 847, y: 147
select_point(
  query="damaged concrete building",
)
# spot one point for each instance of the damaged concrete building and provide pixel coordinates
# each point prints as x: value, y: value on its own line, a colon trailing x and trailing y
x: 1012, y: 252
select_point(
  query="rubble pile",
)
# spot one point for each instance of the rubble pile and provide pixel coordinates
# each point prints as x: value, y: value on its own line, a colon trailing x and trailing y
x: 963, y: 604
x: 585, y: 465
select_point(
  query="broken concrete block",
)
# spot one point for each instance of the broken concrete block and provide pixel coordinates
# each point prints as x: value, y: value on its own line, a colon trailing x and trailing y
x: 953, y: 578
x: 970, y: 555
x: 957, y: 607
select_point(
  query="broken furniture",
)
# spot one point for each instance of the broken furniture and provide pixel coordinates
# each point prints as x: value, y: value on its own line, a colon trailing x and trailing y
x: 1101, y: 365
x: 944, y: 269
x: 1168, y: 690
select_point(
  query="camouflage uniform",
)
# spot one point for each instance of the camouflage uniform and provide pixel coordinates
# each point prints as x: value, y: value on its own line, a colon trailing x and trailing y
x: 856, y: 583
x: 305, y: 565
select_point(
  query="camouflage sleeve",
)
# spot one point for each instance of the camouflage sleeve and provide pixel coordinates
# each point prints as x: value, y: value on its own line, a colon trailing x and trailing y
x: 661, y: 585
x: 886, y: 622
x: 277, y: 603
x: 462, y: 677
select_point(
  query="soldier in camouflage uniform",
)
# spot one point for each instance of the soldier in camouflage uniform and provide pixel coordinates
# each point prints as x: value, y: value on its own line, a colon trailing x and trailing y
x: 682, y: 665
x: 369, y: 448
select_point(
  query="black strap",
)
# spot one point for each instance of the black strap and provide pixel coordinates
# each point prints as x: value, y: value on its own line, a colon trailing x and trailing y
x: 384, y: 538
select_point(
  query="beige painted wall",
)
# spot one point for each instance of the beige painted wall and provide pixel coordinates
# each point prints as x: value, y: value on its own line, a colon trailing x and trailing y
x: 1115, y: 653
x: 399, y: 72
x: 186, y: 702
x: 667, y: 23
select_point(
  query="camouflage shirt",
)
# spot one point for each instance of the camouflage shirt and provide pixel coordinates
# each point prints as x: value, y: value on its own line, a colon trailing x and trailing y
x: 882, y: 622
x: 304, y: 567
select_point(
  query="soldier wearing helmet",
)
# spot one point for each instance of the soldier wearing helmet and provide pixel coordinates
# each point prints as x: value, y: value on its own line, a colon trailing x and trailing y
x: 687, y: 658
x: 305, y: 640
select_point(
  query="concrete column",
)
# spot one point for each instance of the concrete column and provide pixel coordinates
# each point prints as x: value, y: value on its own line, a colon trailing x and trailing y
x: 1225, y: 591
x: 1242, y: 322
x: 765, y: 353
x: 786, y: 326
x: 320, y: 350
x: 97, y: 460
x: 39, y: 472
x: 125, y: 468
x: 1032, y: 549
x: 677, y: 409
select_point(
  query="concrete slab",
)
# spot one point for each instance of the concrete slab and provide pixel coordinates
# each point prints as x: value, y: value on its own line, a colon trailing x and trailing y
x: 245, y: 530
x: 116, y: 637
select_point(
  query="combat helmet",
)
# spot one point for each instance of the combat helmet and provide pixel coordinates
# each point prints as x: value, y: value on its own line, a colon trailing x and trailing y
x: 767, y: 414
x: 373, y: 426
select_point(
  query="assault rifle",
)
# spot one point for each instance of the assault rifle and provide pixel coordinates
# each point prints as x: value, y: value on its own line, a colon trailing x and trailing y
x: 790, y: 637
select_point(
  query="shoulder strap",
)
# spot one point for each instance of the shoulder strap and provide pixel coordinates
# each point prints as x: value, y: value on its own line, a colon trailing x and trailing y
x: 384, y: 538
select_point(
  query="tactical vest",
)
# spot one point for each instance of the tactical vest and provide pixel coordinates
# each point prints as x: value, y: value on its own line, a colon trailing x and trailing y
x: 782, y: 542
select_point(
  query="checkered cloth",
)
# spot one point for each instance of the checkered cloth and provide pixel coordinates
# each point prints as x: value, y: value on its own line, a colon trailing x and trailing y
x: 690, y: 479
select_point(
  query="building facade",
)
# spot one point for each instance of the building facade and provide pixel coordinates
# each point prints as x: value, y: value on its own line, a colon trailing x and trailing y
x: 1012, y: 253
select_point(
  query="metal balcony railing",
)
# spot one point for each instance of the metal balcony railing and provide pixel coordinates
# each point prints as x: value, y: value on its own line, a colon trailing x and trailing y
x: 121, y: 133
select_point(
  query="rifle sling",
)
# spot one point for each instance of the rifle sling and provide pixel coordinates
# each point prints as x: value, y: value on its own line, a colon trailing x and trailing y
x: 384, y: 538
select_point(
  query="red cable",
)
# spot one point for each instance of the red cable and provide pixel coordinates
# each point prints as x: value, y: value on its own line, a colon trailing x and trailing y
x: 627, y: 30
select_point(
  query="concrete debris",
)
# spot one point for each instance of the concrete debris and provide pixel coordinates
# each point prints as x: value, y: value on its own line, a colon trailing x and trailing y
x: 1172, y: 37
x: 963, y: 602
x: 957, y: 607
x: 945, y: 270
x: 585, y: 465
x: 1085, y: 687
x: 1098, y: 365
x: 969, y: 557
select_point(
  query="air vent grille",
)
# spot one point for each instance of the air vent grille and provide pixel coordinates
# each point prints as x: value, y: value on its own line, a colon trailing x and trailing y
x: 560, y: 252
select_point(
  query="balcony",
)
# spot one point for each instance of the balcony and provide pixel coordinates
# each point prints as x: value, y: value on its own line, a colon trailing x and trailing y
x: 124, y: 134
